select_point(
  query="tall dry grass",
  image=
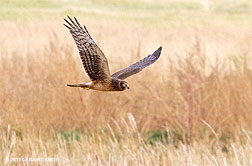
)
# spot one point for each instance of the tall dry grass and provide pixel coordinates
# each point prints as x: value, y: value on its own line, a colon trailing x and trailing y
x: 199, y: 91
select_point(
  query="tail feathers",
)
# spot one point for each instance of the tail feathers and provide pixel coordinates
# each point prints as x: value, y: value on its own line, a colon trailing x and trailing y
x: 84, y: 86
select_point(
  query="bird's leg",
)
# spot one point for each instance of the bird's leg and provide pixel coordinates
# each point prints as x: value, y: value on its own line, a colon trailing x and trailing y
x: 86, y: 88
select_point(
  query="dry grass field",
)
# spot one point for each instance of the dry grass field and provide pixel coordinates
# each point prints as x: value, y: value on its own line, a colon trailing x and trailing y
x: 192, y: 107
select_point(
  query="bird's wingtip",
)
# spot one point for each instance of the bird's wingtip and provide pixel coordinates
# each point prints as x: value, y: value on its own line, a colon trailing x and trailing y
x: 66, y: 17
x: 160, y: 48
x: 158, y: 51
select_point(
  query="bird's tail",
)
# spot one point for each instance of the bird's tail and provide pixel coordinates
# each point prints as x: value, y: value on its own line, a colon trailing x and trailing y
x: 84, y: 86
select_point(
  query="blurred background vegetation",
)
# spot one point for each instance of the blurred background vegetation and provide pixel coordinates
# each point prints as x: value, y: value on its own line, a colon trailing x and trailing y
x: 192, y: 106
x: 158, y: 11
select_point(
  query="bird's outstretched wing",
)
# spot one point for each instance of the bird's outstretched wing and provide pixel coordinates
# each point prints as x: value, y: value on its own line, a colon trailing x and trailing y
x: 138, y: 66
x: 94, y: 61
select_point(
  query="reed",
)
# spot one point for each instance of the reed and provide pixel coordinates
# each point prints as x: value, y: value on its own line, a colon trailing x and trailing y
x: 192, y: 106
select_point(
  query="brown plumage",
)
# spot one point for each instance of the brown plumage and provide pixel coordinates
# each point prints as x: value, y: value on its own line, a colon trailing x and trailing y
x: 96, y: 65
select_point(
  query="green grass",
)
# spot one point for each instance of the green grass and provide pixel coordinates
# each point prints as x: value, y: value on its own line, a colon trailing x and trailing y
x: 158, y: 12
x: 29, y: 4
x: 68, y: 136
x: 236, y: 7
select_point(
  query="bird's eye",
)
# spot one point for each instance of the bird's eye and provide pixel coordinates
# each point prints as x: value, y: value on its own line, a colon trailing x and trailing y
x: 122, y: 84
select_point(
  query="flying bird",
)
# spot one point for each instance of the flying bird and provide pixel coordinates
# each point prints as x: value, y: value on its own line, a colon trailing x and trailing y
x: 96, y: 65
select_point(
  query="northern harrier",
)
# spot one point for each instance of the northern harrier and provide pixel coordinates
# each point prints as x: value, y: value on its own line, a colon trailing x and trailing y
x: 96, y: 65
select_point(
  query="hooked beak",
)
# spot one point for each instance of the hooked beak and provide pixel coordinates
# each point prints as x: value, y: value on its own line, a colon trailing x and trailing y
x: 127, y: 86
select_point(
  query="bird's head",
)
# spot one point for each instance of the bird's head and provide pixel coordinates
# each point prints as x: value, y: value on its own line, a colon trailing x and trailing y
x: 124, y: 85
